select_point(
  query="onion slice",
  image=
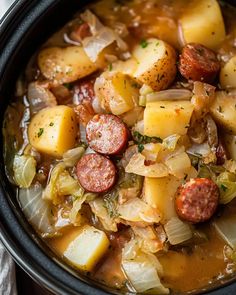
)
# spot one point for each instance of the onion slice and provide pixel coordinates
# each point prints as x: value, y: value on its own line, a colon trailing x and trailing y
x: 102, y: 36
x: 169, y: 94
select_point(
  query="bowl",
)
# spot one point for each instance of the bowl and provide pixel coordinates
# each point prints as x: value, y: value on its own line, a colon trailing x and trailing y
x: 26, y: 25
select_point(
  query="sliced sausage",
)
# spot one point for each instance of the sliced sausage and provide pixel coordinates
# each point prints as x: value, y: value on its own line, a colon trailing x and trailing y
x: 197, y: 200
x: 96, y: 173
x: 198, y: 63
x: 107, y: 134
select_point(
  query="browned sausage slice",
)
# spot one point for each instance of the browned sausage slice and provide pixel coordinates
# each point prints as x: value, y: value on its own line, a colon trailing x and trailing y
x: 197, y: 200
x: 96, y: 173
x: 198, y: 63
x: 107, y: 134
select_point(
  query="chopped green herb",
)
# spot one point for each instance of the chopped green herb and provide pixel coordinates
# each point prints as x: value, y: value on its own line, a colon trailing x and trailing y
x: 140, y: 148
x: 223, y: 187
x: 135, y: 85
x: 51, y: 124
x: 110, y: 67
x: 143, y: 43
x: 40, y: 132
x: 220, y: 109
x: 143, y: 139
x: 157, y: 43
x: 68, y: 86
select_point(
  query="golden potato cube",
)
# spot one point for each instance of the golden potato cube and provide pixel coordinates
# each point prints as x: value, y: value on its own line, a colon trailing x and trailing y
x: 53, y: 130
x: 223, y: 111
x: 156, y: 64
x: 228, y: 74
x: 65, y: 65
x: 159, y: 193
x: 117, y: 92
x: 203, y: 23
x: 164, y: 118
x: 87, y: 248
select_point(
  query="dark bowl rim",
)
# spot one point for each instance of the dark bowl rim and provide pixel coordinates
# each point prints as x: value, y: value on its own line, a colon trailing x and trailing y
x: 17, y: 241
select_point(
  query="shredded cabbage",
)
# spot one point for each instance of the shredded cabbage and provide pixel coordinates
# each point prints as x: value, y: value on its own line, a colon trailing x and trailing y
x: 24, y: 168
x: 149, y: 240
x: 136, y: 165
x: 50, y: 193
x: 137, y: 210
x: 36, y: 209
x: 99, y: 208
x: 71, y: 157
x: 226, y: 182
x: 177, y: 231
x: 226, y: 227
x: 142, y: 269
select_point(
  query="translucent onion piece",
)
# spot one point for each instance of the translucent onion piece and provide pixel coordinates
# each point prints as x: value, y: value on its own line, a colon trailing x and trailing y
x: 71, y: 157
x: 36, y: 209
x: 199, y: 150
x: 179, y: 165
x: 137, y: 210
x: 204, y: 94
x: 226, y: 227
x: 171, y: 141
x: 82, y: 131
x: 97, y: 106
x: 139, y: 127
x: 68, y: 40
x: 211, y: 131
x: 40, y: 97
x: 24, y: 168
x: 102, y: 36
x: 136, y: 165
x: 169, y: 94
x: 177, y: 231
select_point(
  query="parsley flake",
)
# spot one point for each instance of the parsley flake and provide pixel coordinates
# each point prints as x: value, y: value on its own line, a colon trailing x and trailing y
x: 143, y: 43
x: 40, y: 132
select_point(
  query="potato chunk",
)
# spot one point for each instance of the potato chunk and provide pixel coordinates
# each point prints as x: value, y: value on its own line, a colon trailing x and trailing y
x: 156, y: 64
x: 64, y: 65
x: 87, y: 248
x: 203, y: 23
x: 223, y: 111
x: 228, y: 74
x: 159, y: 193
x: 117, y: 92
x: 164, y: 118
x: 53, y: 130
